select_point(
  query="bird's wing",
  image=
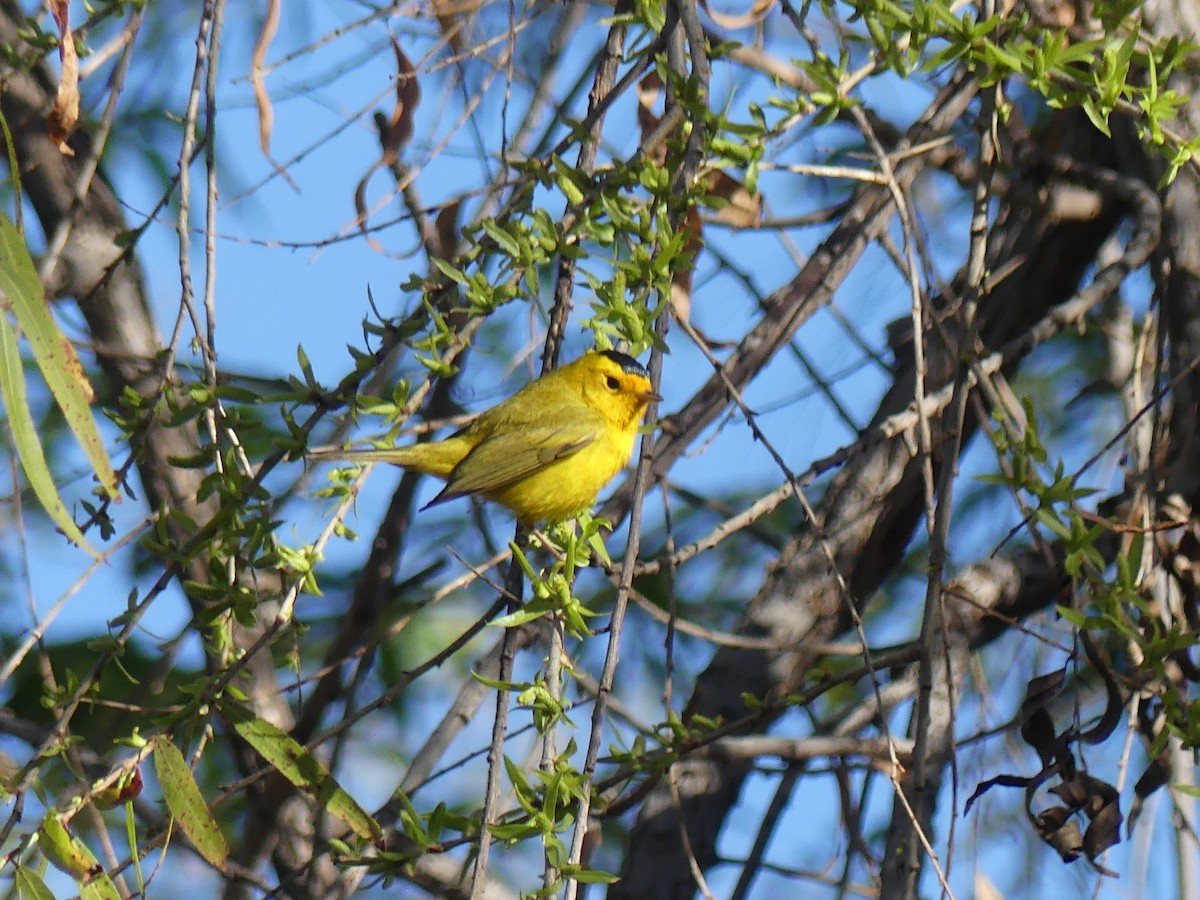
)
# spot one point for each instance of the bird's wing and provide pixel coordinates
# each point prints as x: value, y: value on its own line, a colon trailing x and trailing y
x: 504, y: 459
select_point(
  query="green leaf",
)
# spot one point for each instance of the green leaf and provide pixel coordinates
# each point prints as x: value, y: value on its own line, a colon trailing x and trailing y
x: 303, y: 770
x: 29, y: 885
x: 506, y: 241
x: 1098, y: 117
x: 131, y: 838
x: 449, y: 271
x: 187, y: 805
x: 52, y: 351
x: 25, y: 437
x: 570, y: 181
x: 499, y: 685
x: 528, y: 613
x: 1048, y: 518
x: 593, y: 876
x: 305, y: 367
x: 99, y: 888
x: 71, y: 855
x: 1076, y: 618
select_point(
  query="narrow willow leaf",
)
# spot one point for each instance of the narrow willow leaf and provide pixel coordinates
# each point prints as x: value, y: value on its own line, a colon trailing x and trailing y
x: 25, y: 437
x: 303, y: 770
x: 595, y: 876
x: 99, y: 888
x: 54, y: 354
x: 135, y: 855
x: 61, y: 848
x: 187, y: 805
x: 29, y: 885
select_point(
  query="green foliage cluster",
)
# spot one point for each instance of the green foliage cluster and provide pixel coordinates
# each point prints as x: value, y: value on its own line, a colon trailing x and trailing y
x: 1111, y: 596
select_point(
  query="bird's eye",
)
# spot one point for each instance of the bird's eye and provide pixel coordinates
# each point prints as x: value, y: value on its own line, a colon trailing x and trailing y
x: 613, y: 382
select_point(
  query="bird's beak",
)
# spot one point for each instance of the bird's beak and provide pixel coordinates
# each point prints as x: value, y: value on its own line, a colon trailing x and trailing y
x: 647, y: 396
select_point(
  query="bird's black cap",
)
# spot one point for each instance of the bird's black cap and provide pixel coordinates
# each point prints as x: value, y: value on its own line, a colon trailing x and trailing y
x: 626, y: 362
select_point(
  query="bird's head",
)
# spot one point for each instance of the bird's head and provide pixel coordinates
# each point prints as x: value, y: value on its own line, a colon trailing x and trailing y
x: 616, y: 385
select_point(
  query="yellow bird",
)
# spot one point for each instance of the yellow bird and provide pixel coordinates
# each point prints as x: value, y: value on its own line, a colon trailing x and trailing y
x: 547, y: 450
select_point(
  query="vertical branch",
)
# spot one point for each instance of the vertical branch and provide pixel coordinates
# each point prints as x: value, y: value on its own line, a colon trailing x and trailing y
x: 606, y: 73
x: 940, y: 664
x: 682, y: 24
x: 1183, y: 772
x: 183, y: 227
x: 210, y: 206
x: 514, y: 586
x: 549, y: 757
x: 616, y: 622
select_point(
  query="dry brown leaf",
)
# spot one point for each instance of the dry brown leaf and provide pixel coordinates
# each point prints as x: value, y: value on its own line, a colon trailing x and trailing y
x: 455, y: 17
x: 681, y: 278
x: 744, y: 210
x: 64, y: 117
x: 985, y: 889
x: 72, y: 365
x: 399, y: 129
x: 258, y: 77
x: 360, y: 205
x: 395, y: 131
x: 758, y: 12
x: 446, y: 229
x: 1065, y: 14
x: 648, y: 91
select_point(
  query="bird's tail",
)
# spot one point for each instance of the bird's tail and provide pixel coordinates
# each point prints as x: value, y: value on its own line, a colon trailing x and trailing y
x: 428, y: 458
